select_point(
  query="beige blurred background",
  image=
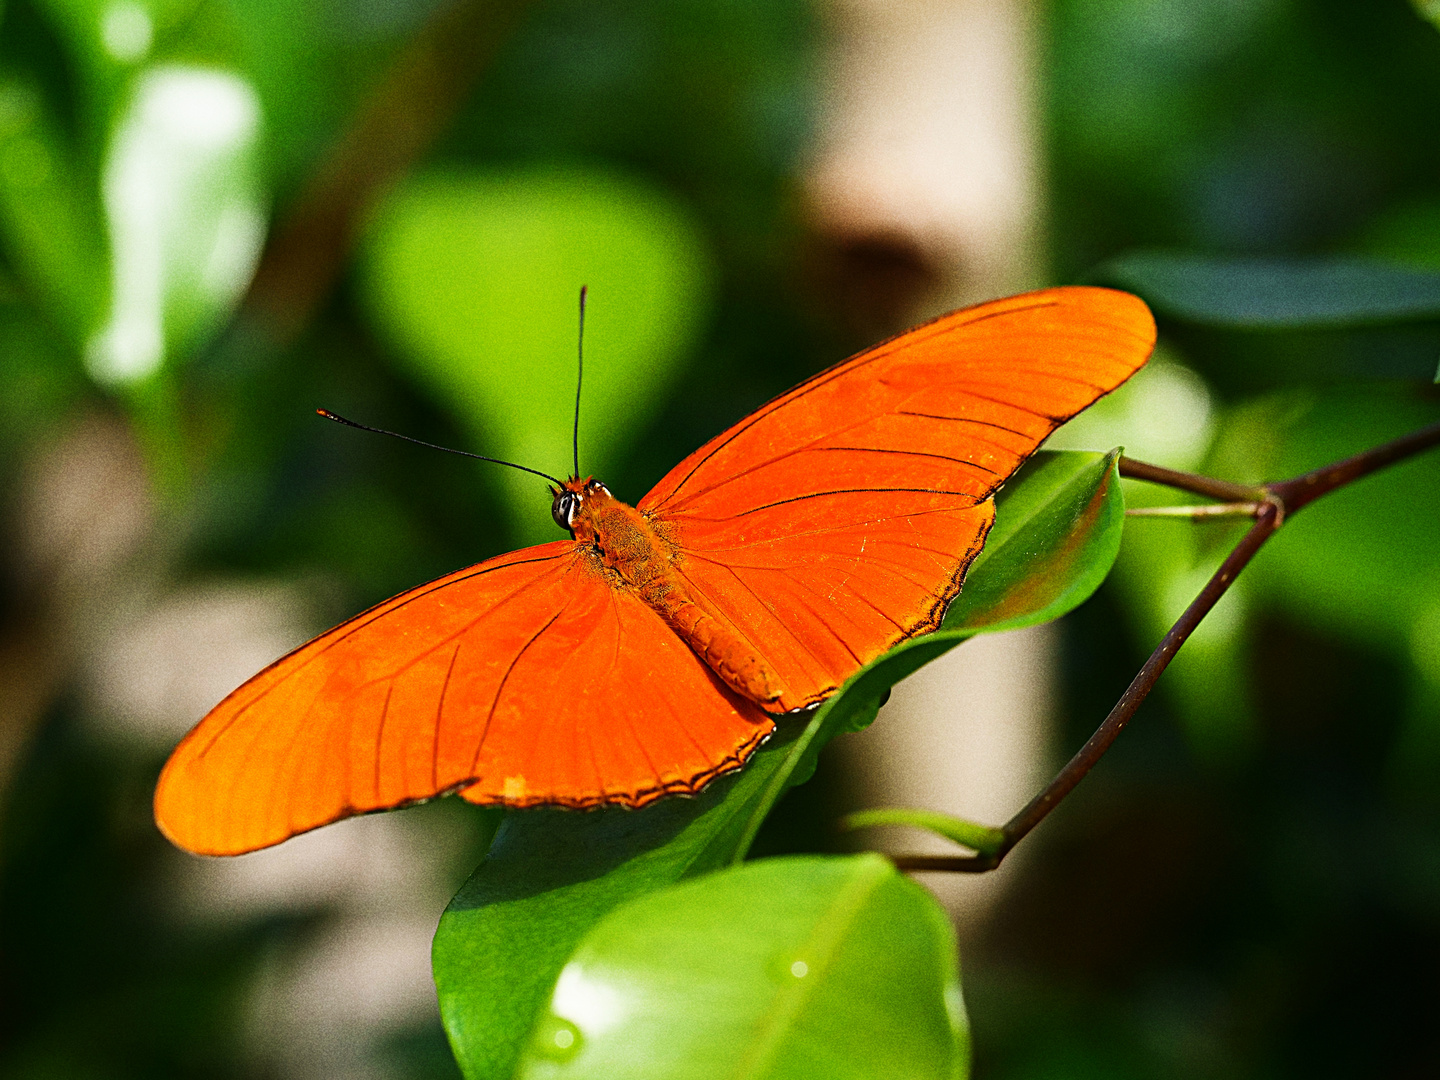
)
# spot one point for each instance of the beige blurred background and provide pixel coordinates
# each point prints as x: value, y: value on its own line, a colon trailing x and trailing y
x: 928, y: 151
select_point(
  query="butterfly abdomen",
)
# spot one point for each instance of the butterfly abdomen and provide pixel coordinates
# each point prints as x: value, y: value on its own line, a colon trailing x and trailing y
x: 645, y: 560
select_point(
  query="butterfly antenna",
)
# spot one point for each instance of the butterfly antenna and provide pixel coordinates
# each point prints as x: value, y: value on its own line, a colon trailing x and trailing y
x: 328, y: 415
x: 579, y: 379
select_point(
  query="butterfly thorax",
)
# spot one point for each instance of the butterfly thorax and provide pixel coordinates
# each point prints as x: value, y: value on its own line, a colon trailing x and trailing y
x: 629, y: 544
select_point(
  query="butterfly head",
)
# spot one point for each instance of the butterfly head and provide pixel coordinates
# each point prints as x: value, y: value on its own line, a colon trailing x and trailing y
x: 572, y: 500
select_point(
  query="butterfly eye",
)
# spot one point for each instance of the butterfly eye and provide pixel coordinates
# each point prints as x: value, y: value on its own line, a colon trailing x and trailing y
x: 564, y: 507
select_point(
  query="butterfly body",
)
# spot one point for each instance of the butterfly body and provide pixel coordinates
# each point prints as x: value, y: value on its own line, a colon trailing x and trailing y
x: 646, y: 654
x: 630, y: 544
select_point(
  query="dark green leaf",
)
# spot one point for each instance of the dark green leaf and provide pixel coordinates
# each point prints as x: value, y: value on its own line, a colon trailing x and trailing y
x: 831, y: 968
x: 1273, y: 293
x: 852, y: 708
x: 50, y: 219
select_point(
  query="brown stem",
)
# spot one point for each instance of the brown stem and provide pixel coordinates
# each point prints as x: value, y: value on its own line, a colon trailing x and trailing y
x: 1280, y: 501
x: 1075, y: 770
x: 1305, y: 489
x: 1200, y: 485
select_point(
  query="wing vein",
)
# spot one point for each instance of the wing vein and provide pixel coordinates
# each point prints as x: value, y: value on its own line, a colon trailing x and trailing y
x: 380, y: 735
x: 821, y: 378
x: 844, y: 491
x: 303, y: 665
x: 439, y: 716
x: 500, y: 689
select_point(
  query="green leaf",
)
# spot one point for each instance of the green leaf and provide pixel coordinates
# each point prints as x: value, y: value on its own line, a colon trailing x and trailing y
x: 476, y: 279
x: 982, y: 839
x: 1429, y: 9
x: 832, y: 968
x: 1057, y: 532
x: 1274, y: 293
x: 550, y: 875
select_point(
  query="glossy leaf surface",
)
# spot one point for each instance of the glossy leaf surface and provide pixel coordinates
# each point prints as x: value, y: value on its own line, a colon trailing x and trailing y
x: 1057, y: 532
x: 831, y: 968
x: 550, y: 876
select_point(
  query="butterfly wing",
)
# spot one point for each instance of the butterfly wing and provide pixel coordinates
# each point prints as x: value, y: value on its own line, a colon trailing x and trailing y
x: 530, y: 678
x: 839, y: 518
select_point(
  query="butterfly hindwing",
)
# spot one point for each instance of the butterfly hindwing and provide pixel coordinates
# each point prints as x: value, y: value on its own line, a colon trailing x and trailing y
x: 529, y: 678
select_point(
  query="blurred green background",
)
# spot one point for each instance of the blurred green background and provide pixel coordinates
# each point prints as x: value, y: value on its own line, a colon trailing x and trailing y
x: 217, y: 215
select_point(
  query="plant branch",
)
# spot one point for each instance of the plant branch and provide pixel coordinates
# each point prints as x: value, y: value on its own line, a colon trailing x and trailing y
x: 1202, y: 512
x: 1280, y: 500
x: 1075, y: 770
x: 1208, y: 486
x: 1305, y: 489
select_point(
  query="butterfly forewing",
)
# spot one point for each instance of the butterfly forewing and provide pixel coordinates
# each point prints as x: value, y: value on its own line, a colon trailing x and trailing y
x: 839, y: 518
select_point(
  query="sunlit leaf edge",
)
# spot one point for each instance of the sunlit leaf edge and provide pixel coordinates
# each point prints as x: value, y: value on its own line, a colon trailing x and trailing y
x: 982, y: 839
x: 1069, y: 511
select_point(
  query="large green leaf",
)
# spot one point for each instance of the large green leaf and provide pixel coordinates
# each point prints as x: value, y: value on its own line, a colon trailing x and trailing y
x: 552, y: 874
x: 549, y: 877
x: 831, y: 968
x: 476, y: 277
x: 1276, y: 293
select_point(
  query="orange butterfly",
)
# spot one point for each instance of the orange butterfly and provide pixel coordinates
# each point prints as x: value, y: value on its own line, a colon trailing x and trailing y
x: 645, y: 656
